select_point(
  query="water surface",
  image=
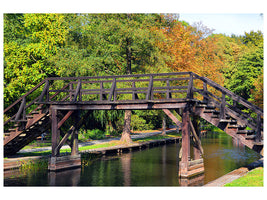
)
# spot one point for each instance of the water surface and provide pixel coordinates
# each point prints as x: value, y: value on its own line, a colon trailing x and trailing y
x: 156, y: 166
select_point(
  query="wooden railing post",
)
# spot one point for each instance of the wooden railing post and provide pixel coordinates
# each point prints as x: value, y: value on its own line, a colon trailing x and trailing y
x: 223, y: 103
x: 149, y: 94
x: 190, y: 93
x: 168, y: 94
x: 205, y: 89
x: 80, y: 92
x: 258, y: 131
x: 21, y: 109
x: 134, y: 94
x: 45, y: 92
x: 77, y: 92
x: 112, y: 91
x: 71, y: 88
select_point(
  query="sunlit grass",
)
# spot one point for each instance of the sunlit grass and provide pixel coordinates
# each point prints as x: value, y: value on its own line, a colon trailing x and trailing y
x: 252, y: 178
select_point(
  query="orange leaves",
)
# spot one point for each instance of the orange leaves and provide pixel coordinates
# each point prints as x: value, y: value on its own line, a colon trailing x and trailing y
x: 189, y: 51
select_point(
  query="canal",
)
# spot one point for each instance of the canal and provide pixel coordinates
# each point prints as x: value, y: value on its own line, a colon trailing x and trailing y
x: 156, y: 166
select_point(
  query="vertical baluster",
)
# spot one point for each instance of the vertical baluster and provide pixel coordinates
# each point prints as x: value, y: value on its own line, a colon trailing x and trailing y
x: 190, y: 94
x: 71, y: 88
x: 168, y: 94
x: 258, y: 132
x: 47, y: 91
x: 149, y: 94
x: 80, y: 90
x: 205, y: 89
x: 101, y: 91
x: 222, y: 111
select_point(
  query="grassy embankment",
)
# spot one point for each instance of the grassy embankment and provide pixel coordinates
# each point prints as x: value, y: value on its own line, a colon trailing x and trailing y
x: 252, y: 178
x: 102, y: 145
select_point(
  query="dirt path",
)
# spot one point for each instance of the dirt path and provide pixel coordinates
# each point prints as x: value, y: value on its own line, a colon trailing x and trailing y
x: 135, y: 136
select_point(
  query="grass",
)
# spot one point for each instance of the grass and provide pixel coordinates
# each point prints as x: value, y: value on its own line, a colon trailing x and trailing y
x: 252, y: 178
x: 101, y: 145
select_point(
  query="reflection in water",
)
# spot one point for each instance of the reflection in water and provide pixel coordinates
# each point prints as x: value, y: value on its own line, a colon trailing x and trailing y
x: 69, y: 177
x: 151, y: 167
x: 126, y: 168
x: 194, y: 181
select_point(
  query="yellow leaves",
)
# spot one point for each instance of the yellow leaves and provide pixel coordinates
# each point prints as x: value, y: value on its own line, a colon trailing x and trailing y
x: 189, y: 52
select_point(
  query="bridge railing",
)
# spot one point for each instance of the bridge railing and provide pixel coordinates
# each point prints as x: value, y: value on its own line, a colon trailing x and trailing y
x: 116, y: 88
x: 147, y: 87
x: 231, y: 104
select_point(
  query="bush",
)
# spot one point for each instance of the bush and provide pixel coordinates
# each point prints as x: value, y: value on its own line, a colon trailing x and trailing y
x: 94, y: 134
x: 138, y: 123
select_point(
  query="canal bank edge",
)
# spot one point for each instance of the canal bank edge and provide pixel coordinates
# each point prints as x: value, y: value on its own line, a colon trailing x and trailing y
x: 235, y: 174
x: 15, y: 163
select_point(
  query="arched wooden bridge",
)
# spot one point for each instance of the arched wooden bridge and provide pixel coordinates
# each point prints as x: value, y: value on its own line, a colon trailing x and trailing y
x: 191, y: 96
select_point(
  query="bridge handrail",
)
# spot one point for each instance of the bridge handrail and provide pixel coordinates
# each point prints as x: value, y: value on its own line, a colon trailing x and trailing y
x: 234, y: 96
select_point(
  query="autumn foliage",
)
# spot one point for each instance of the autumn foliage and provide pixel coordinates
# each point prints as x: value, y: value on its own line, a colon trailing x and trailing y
x: 189, y: 50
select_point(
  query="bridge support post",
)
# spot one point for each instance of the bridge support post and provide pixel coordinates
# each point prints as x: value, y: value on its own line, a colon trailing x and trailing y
x: 190, y: 167
x: 74, y: 138
x: 57, y: 162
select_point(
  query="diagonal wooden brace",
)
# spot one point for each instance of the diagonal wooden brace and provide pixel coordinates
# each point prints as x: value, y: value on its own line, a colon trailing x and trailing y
x: 198, y: 141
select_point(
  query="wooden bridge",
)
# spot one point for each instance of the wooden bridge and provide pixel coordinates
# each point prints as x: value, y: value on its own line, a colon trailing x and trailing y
x: 191, y: 96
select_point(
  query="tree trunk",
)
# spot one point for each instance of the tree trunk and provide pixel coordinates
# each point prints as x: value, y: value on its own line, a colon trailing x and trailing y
x: 126, y: 137
x: 163, y: 125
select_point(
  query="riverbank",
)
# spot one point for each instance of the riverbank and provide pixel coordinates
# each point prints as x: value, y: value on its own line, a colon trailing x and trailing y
x: 103, y: 147
x: 234, y: 178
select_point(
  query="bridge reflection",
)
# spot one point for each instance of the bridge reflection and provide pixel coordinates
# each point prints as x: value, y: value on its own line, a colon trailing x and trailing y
x: 70, y: 177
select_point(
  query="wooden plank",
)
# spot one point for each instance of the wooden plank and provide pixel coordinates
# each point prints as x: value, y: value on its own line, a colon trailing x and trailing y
x: 140, y: 106
x: 120, y: 76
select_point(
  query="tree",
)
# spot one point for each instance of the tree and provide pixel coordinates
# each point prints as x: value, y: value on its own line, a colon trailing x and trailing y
x: 30, y: 39
x: 241, y: 80
x: 191, y: 49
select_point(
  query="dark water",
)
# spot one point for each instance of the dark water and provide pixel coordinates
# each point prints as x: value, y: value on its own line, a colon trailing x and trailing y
x: 157, y: 166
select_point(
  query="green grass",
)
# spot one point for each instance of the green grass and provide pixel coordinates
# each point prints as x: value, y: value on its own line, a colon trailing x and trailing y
x: 252, y: 178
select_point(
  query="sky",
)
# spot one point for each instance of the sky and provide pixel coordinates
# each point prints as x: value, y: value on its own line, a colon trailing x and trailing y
x: 227, y: 24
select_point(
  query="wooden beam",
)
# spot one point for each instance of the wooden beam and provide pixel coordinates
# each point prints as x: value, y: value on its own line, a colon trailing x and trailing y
x: 64, y: 119
x: 55, y: 135
x: 64, y: 139
x: 140, y: 106
x: 185, y: 136
x: 173, y: 118
x: 195, y: 135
